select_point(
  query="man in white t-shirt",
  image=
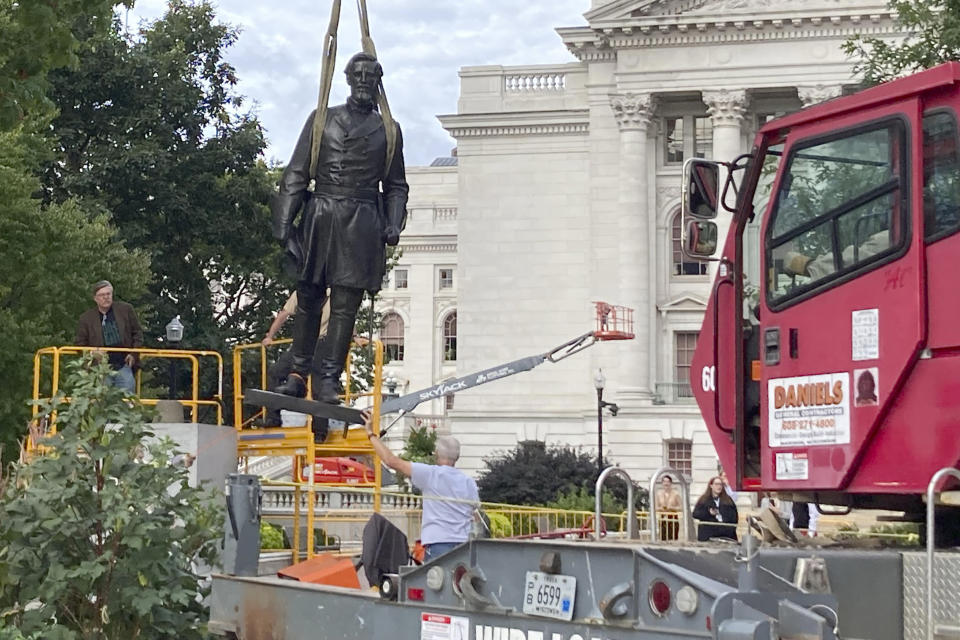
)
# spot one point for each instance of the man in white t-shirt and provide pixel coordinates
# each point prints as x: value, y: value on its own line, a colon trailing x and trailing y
x: 450, y: 496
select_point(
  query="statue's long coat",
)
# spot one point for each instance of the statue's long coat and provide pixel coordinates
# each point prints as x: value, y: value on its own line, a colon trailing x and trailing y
x: 339, y: 239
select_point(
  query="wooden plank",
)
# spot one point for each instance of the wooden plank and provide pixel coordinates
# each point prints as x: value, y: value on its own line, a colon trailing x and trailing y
x: 277, y: 401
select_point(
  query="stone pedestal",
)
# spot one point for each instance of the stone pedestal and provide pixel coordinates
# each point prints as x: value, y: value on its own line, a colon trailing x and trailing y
x: 215, y: 449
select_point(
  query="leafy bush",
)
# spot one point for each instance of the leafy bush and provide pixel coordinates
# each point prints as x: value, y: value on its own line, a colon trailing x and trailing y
x: 500, y: 525
x: 101, y: 537
x: 580, y: 499
x: 534, y: 474
x: 271, y: 536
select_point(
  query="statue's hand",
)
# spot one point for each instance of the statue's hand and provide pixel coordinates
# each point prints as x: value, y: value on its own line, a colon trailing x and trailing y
x: 391, y: 236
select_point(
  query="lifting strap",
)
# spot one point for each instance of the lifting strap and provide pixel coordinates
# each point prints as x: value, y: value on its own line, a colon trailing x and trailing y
x: 326, y: 80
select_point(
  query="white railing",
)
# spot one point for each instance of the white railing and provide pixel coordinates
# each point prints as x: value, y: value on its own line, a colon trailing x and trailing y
x: 534, y: 82
x: 280, y: 500
x: 444, y: 214
x: 270, y: 467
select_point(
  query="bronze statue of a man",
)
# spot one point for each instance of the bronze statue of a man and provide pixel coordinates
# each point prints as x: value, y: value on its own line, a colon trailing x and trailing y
x: 357, y: 206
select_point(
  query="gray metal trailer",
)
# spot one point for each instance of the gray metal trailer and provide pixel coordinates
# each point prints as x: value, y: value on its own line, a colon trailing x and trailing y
x: 606, y: 590
x: 487, y: 590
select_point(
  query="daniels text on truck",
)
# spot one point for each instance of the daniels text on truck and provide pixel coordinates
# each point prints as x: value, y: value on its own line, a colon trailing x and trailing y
x: 809, y: 410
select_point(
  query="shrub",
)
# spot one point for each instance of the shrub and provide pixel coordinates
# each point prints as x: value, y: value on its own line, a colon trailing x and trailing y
x: 534, y: 474
x: 271, y: 536
x: 101, y: 536
x: 500, y: 525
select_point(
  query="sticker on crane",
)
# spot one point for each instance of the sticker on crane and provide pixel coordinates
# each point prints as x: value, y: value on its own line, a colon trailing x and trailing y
x: 809, y: 410
x: 866, y: 382
x: 792, y: 466
x: 437, y: 626
x: 865, y: 334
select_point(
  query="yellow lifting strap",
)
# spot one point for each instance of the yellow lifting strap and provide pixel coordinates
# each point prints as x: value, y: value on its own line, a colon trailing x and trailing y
x: 326, y: 80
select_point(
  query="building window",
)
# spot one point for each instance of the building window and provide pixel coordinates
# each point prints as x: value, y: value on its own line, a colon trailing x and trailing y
x: 400, y: 278
x: 448, y: 402
x: 683, y: 266
x: 686, y: 342
x: 679, y: 455
x: 703, y: 137
x: 391, y: 334
x: 687, y: 136
x: 450, y: 338
x: 673, y: 140
x: 446, y: 278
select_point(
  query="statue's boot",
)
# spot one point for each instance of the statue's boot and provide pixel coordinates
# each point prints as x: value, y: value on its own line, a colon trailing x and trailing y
x: 294, y: 386
x: 344, y: 303
x: 305, y: 328
x: 326, y: 387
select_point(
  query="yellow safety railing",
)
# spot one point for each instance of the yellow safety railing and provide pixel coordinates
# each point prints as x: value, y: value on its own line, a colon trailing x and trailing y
x: 298, y: 442
x: 261, y: 351
x: 57, y: 355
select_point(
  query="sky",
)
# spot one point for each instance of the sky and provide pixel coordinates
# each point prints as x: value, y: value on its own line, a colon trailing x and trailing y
x: 421, y: 44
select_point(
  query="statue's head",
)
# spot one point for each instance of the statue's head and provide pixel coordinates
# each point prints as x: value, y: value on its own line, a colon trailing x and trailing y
x: 363, y: 75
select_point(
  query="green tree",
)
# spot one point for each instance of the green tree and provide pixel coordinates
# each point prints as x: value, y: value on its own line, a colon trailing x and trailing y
x: 35, y: 37
x: 932, y: 29
x: 421, y: 446
x: 151, y: 128
x: 49, y: 257
x: 100, y: 537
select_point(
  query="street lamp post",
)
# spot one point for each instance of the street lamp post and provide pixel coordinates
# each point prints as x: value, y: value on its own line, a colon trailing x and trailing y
x: 599, y: 381
x: 391, y: 381
x: 174, y: 330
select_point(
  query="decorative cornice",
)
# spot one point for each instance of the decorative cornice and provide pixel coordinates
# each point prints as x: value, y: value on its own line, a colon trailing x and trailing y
x: 521, y: 130
x: 632, y: 111
x: 725, y: 106
x: 601, y: 40
x: 811, y: 95
x: 683, y: 302
x: 520, y: 123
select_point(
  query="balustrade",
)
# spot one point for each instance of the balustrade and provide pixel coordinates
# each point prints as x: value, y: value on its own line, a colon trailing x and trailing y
x: 530, y: 82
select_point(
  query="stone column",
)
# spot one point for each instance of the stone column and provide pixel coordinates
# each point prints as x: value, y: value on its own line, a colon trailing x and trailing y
x: 726, y: 108
x: 812, y: 94
x: 633, y: 112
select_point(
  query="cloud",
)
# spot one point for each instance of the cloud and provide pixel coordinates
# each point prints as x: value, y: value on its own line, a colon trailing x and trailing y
x: 422, y: 45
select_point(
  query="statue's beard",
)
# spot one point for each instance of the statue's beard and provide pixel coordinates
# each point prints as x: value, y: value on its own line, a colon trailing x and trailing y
x: 364, y: 96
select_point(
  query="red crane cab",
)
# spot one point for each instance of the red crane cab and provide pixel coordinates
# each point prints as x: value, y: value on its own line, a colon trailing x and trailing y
x: 828, y: 365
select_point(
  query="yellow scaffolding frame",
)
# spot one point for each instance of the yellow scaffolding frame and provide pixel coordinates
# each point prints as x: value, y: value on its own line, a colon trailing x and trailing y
x: 194, y: 401
x: 298, y: 442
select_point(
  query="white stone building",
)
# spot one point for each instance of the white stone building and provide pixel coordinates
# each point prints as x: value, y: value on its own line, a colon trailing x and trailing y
x: 567, y: 191
x: 419, y: 299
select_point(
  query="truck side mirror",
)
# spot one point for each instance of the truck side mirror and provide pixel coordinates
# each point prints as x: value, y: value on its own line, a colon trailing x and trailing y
x: 701, y: 182
x: 700, y: 238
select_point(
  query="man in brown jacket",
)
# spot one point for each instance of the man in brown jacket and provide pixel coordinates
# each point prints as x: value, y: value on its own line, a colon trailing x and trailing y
x: 112, y: 324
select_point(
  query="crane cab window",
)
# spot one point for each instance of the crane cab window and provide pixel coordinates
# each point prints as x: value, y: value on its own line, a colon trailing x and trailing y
x: 840, y: 208
x: 941, y: 175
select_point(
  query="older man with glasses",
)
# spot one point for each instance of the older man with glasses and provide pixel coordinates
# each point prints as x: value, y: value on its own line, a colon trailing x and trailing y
x: 112, y: 324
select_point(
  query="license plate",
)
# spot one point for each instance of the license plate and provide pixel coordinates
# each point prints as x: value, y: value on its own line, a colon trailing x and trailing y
x: 549, y: 595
